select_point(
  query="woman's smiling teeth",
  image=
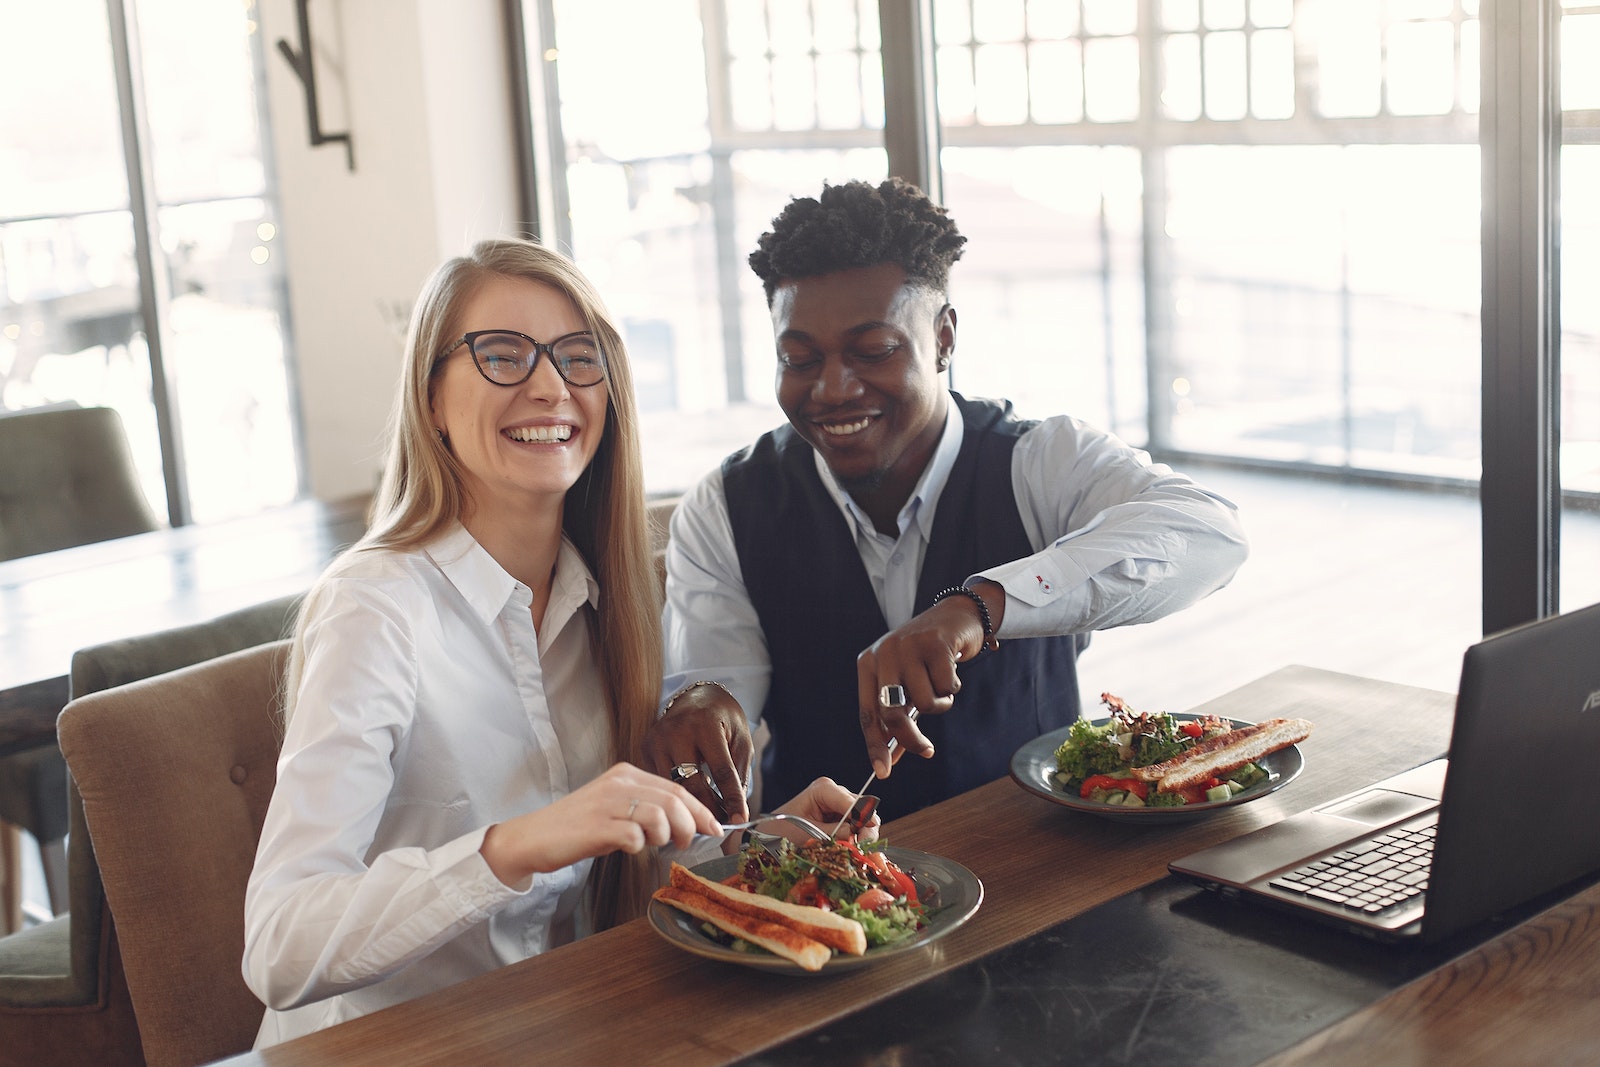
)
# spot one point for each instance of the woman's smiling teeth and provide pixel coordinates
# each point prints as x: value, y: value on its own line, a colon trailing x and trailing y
x: 845, y: 429
x: 544, y: 435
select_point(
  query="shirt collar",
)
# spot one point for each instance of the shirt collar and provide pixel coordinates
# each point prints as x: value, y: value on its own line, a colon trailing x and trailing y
x: 486, y: 586
x: 924, y: 500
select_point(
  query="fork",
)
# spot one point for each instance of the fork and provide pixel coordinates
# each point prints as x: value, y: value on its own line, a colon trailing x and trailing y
x: 805, y: 824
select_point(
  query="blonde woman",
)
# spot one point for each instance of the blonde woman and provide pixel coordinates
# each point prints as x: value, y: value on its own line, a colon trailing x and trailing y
x: 469, y: 685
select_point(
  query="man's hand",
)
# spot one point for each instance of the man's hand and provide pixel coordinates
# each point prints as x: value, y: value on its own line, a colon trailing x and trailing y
x: 920, y: 656
x: 705, y: 725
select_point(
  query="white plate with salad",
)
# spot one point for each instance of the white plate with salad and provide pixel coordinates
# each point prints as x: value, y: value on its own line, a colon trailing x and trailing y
x: 1086, y: 767
x: 948, y: 892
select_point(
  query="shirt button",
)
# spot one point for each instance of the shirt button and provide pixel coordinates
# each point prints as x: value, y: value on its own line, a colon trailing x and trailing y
x: 896, y: 558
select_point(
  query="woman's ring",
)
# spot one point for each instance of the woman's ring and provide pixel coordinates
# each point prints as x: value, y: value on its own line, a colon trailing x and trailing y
x: 634, y: 803
x: 683, y: 772
x: 892, y: 696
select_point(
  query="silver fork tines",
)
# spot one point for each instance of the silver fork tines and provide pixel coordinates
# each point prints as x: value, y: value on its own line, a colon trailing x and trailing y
x: 805, y: 824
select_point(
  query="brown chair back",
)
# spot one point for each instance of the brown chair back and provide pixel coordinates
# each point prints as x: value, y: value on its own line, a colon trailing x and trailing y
x: 64, y: 997
x: 175, y: 773
x: 131, y: 659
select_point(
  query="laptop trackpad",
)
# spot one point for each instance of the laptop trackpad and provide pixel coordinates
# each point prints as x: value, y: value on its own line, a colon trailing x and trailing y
x: 1376, y: 807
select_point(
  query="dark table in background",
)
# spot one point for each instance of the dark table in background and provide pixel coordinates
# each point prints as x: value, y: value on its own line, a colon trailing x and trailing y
x: 1084, y: 951
x: 55, y: 603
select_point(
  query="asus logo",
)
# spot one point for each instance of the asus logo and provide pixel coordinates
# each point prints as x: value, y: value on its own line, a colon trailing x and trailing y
x: 1593, y: 702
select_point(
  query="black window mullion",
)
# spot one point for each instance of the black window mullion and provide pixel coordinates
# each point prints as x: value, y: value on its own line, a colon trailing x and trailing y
x: 1520, y: 486
x: 910, y: 111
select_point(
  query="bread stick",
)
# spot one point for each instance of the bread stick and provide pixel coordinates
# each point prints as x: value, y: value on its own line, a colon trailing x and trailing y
x: 1220, y: 755
x: 832, y: 930
x: 776, y: 938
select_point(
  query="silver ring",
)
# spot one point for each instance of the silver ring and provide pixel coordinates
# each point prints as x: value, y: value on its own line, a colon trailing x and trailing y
x: 683, y: 772
x: 892, y: 696
x: 634, y: 803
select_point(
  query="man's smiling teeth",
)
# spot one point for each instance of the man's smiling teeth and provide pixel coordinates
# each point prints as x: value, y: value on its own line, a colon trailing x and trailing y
x: 544, y: 435
x: 845, y: 429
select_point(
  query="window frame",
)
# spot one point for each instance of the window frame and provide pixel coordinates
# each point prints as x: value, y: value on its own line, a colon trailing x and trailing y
x: 1519, y: 489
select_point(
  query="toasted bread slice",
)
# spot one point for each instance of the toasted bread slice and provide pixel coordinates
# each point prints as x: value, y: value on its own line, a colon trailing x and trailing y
x: 1244, y: 745
x: 834, y: 931
x: 775, y: 937
x: 1156, y: 771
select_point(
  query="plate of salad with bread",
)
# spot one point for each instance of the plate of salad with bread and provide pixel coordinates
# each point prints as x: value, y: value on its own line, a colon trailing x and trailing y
x: 1160, y: 766
x: 816, y: 907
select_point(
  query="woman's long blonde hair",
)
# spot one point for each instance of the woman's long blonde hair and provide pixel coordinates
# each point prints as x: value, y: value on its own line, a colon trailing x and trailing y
x: 604, y: 513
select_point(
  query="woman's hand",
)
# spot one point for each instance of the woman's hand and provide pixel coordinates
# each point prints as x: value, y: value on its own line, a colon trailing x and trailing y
x: 624, y: 809
x: 825, y: 802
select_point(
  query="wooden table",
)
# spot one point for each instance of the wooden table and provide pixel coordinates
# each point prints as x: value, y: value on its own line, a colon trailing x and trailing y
x: 55, y: 603
x: 627, y: 996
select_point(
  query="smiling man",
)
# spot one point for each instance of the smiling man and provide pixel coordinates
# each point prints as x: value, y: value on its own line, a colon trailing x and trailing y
x: 900, y: 546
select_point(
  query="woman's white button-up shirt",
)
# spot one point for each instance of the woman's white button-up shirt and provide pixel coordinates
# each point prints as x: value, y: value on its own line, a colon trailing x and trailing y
x: 427, y: 710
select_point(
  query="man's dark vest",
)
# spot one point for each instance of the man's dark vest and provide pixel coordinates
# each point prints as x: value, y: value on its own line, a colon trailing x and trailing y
x: 818, y: 612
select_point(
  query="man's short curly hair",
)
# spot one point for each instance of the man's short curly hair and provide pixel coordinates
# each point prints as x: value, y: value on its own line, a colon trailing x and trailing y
x: 858, y: 224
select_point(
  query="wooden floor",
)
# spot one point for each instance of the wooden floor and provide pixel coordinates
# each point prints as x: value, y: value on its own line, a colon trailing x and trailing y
x: 1348, y: 577
x: 1365, y: 580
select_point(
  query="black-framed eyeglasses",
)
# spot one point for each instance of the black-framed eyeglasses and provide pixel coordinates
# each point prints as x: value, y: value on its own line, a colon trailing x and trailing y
x: 506, y: 357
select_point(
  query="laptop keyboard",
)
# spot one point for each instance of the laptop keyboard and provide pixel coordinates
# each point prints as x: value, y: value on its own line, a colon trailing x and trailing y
x: 1370, y: 876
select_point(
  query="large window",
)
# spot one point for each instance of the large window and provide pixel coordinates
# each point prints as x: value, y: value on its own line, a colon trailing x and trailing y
x: 1244, y: 234
x: 139, y: 266
x: 667, y: 190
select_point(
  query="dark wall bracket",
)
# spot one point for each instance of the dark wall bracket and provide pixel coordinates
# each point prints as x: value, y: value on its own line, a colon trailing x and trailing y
x: 304, y: 69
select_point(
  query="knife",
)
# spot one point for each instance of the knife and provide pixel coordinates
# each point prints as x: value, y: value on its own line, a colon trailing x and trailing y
x: 894, y: 743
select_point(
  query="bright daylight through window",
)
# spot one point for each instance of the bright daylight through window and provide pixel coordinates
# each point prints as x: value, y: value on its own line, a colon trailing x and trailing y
x: 74, y: 315
x: 1243, y: 234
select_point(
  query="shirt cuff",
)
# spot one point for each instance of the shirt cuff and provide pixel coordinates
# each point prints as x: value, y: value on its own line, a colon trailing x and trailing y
x: 466, y: 880
x: 1034, y: 589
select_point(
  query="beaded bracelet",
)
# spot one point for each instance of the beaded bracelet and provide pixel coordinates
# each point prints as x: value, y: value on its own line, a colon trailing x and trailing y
x: 990, y: 641
x: 704, y: 681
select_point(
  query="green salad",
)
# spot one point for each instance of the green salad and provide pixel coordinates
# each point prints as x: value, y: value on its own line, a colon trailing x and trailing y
x: 1096, y: 762
x: 858, y: 882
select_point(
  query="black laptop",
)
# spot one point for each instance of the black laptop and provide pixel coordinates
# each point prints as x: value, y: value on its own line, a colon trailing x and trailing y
x: 1513, y: 811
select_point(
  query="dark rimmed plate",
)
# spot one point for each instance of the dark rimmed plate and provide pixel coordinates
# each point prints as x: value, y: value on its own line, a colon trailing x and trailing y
x: 1034, y: 768
x: 950, y: 891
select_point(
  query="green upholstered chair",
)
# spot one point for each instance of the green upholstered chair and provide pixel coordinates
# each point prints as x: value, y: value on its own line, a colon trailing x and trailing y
x: 67, y: 478
x: 64, y: 997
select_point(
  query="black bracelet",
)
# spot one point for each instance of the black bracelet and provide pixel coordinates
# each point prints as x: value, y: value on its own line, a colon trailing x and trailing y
x: 990, y: 641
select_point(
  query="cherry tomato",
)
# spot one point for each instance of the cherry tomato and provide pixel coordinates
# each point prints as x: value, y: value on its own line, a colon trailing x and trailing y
x: 906, y: 887
x: 1191, y: 729
x: 1105, y: 781
x: 808, y: 891
x: 898, y: 882
x: 874, y: 899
